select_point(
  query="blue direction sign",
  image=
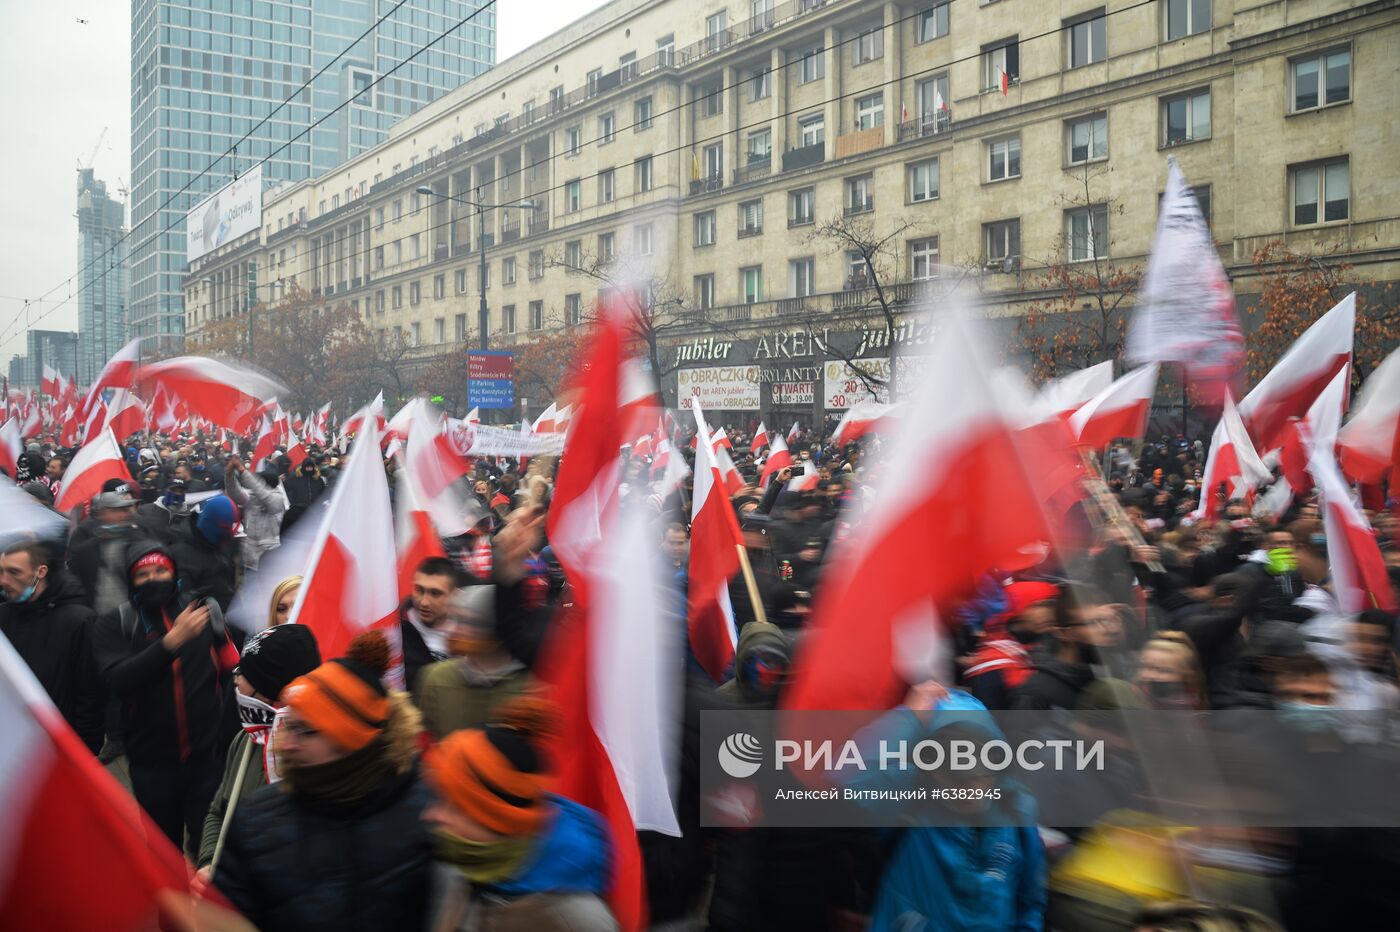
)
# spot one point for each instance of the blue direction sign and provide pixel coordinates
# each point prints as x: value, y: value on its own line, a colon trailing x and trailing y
x: 491, y: 379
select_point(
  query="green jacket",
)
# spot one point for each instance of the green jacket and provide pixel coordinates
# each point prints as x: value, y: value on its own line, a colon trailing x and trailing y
x: 255, y: 780
x: 453, y: 694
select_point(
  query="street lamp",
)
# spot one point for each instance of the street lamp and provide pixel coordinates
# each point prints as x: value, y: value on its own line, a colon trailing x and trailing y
x: 483, y: 314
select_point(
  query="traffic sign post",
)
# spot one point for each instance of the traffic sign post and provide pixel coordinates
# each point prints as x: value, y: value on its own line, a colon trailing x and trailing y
x: 490, y: 379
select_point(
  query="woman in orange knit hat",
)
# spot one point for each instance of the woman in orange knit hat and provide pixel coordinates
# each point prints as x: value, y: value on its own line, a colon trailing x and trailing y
x: 510, y: 854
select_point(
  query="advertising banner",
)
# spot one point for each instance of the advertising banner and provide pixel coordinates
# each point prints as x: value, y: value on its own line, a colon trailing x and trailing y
x: 491, y: 379
x: 225, y: 215
x: 844, y: 387
x: 793, y: 394
x: 722, y: 388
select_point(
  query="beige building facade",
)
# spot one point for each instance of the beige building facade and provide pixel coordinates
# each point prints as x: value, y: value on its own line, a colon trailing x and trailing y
x: 709, y: 147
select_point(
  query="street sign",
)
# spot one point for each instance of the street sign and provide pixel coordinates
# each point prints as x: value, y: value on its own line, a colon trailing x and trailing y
x: 490, y: 379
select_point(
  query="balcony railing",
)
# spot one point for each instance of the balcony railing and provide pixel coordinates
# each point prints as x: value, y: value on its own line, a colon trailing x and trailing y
x: 757, y: 168
x: 927, y: 125
x: 861, y: 140
x: 779, y: 15
x: 802, y: 157
x: 707, y: 185
x: 751, y: 230
x: 793, y: 305
x: 860, y: 207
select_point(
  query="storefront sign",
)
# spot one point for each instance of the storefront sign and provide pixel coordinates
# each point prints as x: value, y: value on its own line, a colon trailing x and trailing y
x: 793, y: 394
x: 844, y: 386
x: 707, y: 349
x: 723, y: 388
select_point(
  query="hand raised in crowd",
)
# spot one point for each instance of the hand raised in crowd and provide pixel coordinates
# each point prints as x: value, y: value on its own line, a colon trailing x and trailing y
x: 188, y: 624
x: 521, y: 536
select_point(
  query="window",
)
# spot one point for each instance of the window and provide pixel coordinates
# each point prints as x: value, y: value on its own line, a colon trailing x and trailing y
x: 760, y: 84
x: 870, y: 111
x: 642, y: 168
x: 934, y: 115
x: 507, y: 318
x: 751, y: 284
x: 705, y: 228
x: 398, y: 296
x: 1186, y: 118
x: 556, y: 99
x: 527, y: 112
x: 923, y: 258
x: 573, y: 309
x: 760, y: 146
x: 711, y: 99
x: 932, y: 23
x: 536, y: 315
x: 440, y: 330
x: 397, y: 210
x: 415, y: 293
x: 813, y: 130
x: 592, y: 80
x: 536, y: 265
x: 627, y: 66
x: 439, y: 288
x: 751, y: 218
x: 704, y: 292
x: 1325, y: 183
x: 641, y: 114
x: 923, y: 180
x: 378, y: 218
x: 802, y: 277
x: 415, y: 244
x: 379, y: 302
x: 801, y: 206
x: 1001, y: 59
x: 666, y: 50
x: 508, y: 270
x: 714, y: 162
x: 1004, y: 159
x: 417, y: 331
x: 813, y: 66
x: 378, y: 257
x: 573, y: 196
x: 1002, y: 240
x: 860, y: 195
x: 1319, y: 80
x: 572, y: 143
x: 1087, y: 139
x: 641, y: 239
x: 485, y: 276
x: 415, y: 201
x: 1087, y: 232
x: 607, y: 186
x: 1185, y: 17
x: 870, y: 45
x: 396, y: 252
x: 1087, y: 39
x: 573, y: 254
x: 717, y: 30
x: 607, y: 127
x: 762, y: 17
x: 606, y: 249
x: 459, y: 328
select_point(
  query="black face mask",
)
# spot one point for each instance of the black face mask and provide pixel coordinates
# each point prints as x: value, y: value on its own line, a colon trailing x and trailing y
x: 155, y: 593
x: 1025, y: 636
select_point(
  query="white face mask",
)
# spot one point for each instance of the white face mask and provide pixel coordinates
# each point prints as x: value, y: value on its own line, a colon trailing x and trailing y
x: 253, y: 712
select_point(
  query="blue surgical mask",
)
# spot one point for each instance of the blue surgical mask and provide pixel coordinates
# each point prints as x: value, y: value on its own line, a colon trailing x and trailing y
x: 1305, y: 716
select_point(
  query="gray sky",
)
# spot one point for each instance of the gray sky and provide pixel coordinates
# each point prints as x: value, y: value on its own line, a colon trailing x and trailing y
x: 64, y: 81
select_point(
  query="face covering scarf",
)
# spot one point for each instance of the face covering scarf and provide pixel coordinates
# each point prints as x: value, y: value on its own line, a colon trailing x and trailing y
x: 260, y: 723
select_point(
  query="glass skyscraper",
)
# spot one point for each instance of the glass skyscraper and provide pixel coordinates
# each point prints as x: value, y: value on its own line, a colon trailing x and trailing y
x: 102, y: 283
x: 205, y: 72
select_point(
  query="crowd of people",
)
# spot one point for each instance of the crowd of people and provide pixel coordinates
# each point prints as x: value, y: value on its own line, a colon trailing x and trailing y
x: 311, y: 794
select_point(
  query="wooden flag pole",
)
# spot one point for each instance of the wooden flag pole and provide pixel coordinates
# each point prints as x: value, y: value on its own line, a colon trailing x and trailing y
x: 751, y: 582
x: 1110, y: 508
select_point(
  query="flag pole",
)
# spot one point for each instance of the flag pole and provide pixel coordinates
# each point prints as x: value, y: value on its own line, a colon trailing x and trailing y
x: 232, y: 805
x: 1110, y: 508
x: 750, y: 582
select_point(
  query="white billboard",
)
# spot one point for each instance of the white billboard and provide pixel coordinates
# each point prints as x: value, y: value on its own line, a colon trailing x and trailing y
x: 228, y: 213
x: 843, y: 387
x: 721, y: 388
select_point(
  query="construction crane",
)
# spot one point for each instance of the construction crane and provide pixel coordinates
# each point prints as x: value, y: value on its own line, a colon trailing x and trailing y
x: 95, y: 148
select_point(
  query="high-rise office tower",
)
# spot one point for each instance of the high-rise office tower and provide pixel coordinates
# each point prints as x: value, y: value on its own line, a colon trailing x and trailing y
x: 102, y: 278
x: 206, y: 72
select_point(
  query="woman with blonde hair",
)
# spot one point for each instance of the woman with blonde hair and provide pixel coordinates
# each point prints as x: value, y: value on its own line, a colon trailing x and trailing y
x: 283, y: 598
x: 1169, y: 672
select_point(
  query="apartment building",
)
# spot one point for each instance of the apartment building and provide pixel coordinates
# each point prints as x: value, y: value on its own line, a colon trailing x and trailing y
x: 709, y: 147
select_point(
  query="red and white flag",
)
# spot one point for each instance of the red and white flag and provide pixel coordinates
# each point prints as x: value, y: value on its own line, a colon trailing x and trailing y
x: 1120, y: 410
x: 862, y: 418
x: 544, y: 424
x: 1295, y: 381
x: 374, y: 410
x: 642, y: 445
x: 351, y: 584
x: 119, y: 372
x: 49, y: 381
x: 794, y: 432
x: 1319, y: 428
x: 33, y: 422
x: 1232, y: 459
x: 67, y: 818
x: 714, y: 559
x: 11, y: 447
x: 1359, y: 577
x: 126, y: 414
x: 473, y: 417
x: 728, y: 472
x: 721, y: 439
x: 760, y: 439
x: 1370, y: 441
x: 778, y: 458
x: 165, y: 414
x: 222, y: 393
x: 99, y: 459
x: 965, y: 500
x: 1067, y: 394
x: 414, y: 535
x: 316, y: 429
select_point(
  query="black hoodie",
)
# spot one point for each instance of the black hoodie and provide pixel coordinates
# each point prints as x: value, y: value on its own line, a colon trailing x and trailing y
x: 176, y: 707
x: 53, y: 633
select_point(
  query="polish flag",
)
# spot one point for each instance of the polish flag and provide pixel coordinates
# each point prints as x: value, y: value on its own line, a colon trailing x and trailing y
x: 778, y: 458
x: 663, y: 455
x: 1291, y: 386
x: 223, y: 393
x: 436, y: 463
x: 356, y: 423
x: 11, y: 447
x: 861, y: 419
x: 613, y: 675
x: 1319, y: 428
x: 32, y: 423
x: 71, y: 432
x: 793, y: 432
x: 728, y: 472
x: 561, y: 419
x: 1370, y: 441
x: 67, y: 818
x: 1359, y: 577
x: 969, y: 502
x: 414, y: 535
x: 642, y: 445
x: 49, y: 381
x: 119, y: 372
x: 714, y: 535
x: 401, y: 422
x: 1070, y: 392
x: 1232, y: 458
x: 351, y: 582
x: 126, y: 414
x: 291, y: 443
x: 1120, y: 410
x: 760, y: 439
x: 473, y: 418
x: 99, y: 460
x: 316, y: 432
x: 721, y: 439
x: 1005, y: 83
x: 95, y: 419
x: 806, y: 482
x: 266, y: 443
x: 544, y: 424
x: 164, y: 414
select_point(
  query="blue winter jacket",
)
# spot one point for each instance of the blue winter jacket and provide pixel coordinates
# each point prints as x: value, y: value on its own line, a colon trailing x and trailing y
x: 572, y: 857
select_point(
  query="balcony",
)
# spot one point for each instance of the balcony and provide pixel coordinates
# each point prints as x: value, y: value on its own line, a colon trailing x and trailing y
x: 510, y: 234
x: 779, y: 15
x: 757, y: 168
x: 926, y: 125
x: 862, y: 140
x: 707, y: 185
x: 794, y: 159
x: 793, y: 306
x: 755, y: 229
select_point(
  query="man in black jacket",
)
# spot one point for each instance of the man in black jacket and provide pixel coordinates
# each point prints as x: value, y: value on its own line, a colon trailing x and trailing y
x: 423, y: 617
x: 50, y: 625
x: 97, y: 552
x: 171, y: 668
x: 206, y: 551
